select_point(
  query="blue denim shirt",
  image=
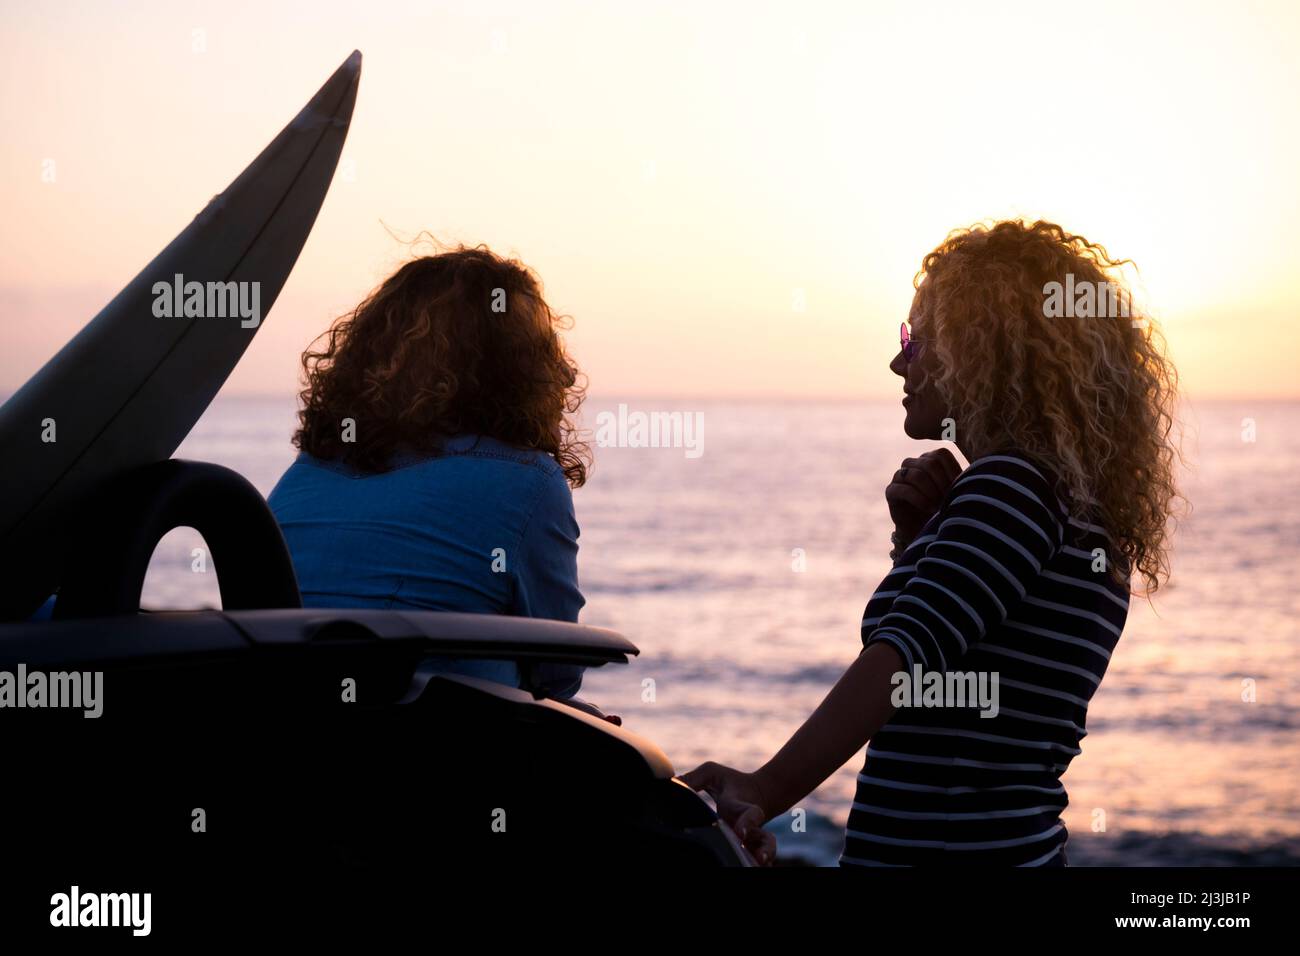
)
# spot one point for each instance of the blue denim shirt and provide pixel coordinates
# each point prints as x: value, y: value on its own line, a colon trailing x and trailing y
x: 482, y: 527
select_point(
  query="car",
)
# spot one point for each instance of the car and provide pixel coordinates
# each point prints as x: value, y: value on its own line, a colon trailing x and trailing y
x: 264, y: 737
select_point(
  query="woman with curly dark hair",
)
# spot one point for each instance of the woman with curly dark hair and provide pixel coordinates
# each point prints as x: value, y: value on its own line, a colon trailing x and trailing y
x: 1011, y: 578
x: 437, y: 452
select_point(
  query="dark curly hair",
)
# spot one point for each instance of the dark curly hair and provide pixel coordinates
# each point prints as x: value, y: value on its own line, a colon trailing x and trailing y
x: 461, y: 342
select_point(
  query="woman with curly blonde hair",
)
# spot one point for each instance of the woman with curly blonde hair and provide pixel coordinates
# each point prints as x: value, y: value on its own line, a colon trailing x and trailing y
x: 1011, y: 578
x: 437, y: 451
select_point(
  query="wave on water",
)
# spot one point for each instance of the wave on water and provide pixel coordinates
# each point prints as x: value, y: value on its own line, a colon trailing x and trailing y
x: 820, y: 840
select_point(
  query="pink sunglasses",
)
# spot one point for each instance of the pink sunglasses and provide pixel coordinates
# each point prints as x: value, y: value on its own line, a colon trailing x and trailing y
x: 908, y: 344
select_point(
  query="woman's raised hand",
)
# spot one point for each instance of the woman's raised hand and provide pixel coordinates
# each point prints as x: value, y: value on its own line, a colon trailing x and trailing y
x: 740, y: 805
x: 917, y: 490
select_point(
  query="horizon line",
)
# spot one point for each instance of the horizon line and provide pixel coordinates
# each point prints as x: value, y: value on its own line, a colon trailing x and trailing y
x: 745, y: 396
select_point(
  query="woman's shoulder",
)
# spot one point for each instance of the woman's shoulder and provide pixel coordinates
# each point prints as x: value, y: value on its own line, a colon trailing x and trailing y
x: 1017, y: 479
x: 529, y: 475
x: 490, y: 453
x: 490, y: 458
x: 1012, y: 463
x: 485, y: 446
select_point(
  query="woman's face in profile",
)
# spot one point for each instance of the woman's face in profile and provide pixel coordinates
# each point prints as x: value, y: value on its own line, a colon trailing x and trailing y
x: 925, y: 409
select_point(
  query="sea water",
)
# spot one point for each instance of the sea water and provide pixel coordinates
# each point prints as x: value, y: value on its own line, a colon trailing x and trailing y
x: 742, y: 573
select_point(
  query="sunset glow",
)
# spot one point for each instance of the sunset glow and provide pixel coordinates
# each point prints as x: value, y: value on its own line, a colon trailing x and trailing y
x: 728, y: 200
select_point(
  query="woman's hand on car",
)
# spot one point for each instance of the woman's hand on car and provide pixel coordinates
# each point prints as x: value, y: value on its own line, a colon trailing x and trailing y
x: 740, y: 805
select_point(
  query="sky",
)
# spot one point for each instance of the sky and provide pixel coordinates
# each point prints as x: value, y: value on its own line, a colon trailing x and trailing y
x: 728, y: 199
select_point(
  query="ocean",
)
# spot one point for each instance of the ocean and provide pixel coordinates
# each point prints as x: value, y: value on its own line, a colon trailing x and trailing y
x: 740, y: 567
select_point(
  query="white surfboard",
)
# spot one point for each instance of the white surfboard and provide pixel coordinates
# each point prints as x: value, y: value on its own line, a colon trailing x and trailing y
x: 127, y: 389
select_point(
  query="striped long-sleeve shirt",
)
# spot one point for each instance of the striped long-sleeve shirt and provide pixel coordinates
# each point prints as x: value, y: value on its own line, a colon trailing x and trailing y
x: 1003, y: 583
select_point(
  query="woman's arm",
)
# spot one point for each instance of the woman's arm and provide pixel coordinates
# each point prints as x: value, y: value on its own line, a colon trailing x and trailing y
x: 995, y: 534
x: 856, y: 707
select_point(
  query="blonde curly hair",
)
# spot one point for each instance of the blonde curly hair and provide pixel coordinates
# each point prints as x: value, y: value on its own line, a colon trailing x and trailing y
x: 1093, y: 397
